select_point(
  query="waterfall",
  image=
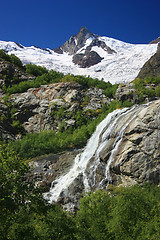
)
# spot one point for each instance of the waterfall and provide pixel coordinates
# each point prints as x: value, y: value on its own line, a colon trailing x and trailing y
x: 95, y: 145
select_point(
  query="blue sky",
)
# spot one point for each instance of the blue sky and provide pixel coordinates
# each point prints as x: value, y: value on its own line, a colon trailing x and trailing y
x: 49, y: 23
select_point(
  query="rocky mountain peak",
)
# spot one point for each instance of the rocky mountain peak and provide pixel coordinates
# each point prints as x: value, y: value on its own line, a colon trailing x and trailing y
x: 87, y: 57
x: 76, y: 42
x: 84, y: 34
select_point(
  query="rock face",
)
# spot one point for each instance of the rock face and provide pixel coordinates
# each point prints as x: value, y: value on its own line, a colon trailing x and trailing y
x: 76, y: 42
x: 128, y: 152
x: 152, y: 67
x: 138, y: 158
x: 126, y: 92
x: 45, y: 169
x: 87, y: 60
x: 45, y: 108
x: 9, y: 74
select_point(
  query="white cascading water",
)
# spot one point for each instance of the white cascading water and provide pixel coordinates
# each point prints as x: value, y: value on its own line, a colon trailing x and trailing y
x: 93, y: 148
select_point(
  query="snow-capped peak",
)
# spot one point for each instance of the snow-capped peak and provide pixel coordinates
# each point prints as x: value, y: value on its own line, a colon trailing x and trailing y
x: 108, y: 58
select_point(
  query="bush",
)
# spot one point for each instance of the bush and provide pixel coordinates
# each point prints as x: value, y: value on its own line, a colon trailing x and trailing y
x: 4, y: 55
x: 11, y: 58
x: 16, y: 61
x: 35, y: 70
x: 122, y: 213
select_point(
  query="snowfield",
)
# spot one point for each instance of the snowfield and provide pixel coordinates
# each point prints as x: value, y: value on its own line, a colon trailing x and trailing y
x: 122, y: 66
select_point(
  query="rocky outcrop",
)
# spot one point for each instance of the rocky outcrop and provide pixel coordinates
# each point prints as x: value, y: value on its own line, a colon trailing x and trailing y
x: 90, y: 57
x: 126, y: 92
x: 9, y: 74
x: 46, y: 107
x: 87, y: 60
x: 138, y: 158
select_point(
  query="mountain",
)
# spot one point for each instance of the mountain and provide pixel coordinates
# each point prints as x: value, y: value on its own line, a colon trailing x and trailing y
x: 88, y: 54
x: 76, y: 42
x: 152, y: 67
x: 50, y: 117
x: 157, y: 40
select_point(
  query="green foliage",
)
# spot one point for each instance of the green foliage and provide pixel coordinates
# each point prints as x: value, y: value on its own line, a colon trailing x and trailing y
x: 35, y: 70
x: 157, y: 91
x: 51, y: 223
x: 88, y: 82
x: 14, y: 192
x: 24, y: 214
x: 15, y: 60
x: 148, y: 87
x: 124, y: 213
x: 58, y: 112
x: 93, y: 217
x: 11, y: 58
x: 45, y: 78
x: 132, y: 207
x: 4, y: 55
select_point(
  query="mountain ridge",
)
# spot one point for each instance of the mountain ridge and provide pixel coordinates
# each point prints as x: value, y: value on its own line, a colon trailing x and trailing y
x: 99, y: 57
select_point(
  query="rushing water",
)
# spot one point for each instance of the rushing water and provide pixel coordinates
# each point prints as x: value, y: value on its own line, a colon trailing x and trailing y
x: 95, y: 145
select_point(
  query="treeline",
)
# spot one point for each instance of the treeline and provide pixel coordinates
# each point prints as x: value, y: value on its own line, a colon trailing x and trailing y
x: 131, y: 213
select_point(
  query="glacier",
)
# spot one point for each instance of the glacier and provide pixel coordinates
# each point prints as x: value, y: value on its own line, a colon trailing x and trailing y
x: 119, y: 67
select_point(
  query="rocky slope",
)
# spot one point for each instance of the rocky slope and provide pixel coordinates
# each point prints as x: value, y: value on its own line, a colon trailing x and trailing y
x: 152, y: 66
x: 11, y: 74
x: 46, y: 107
x: 130, y: 151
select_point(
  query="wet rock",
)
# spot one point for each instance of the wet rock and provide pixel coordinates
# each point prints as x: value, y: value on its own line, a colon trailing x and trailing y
x: 45, y: 169
x: 139, y: 152
x: 70, y: 197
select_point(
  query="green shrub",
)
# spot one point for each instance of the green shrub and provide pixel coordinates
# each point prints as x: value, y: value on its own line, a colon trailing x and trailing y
x: 35, y: 70
x: 157, y: 91
x: 4, y: 55
x: 11, y: 58
x: 130, y: 213
x: 15, y: 60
